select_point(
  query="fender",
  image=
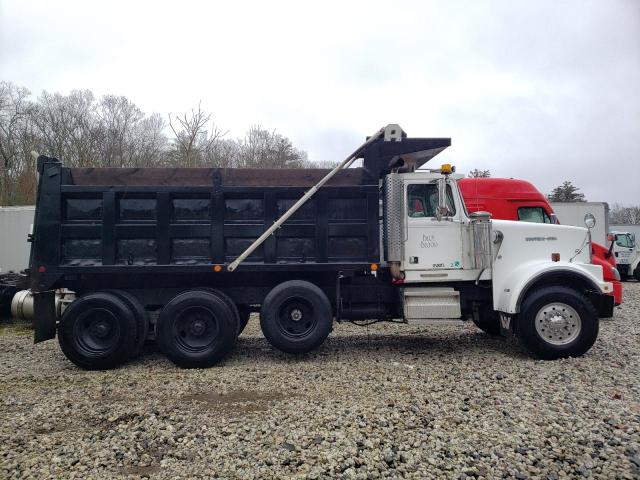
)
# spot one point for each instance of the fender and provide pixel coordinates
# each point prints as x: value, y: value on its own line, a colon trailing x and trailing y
x: 509, y: 293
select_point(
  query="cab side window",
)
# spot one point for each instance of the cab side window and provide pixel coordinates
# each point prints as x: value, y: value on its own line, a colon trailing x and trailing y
x: 533, y: 214
x: 423, y: 200
x: 624, y: 241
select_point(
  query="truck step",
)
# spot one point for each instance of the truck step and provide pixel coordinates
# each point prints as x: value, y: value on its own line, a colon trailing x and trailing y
x: 424, y: 303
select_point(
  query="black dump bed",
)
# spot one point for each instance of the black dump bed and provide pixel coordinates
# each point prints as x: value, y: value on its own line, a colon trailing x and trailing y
x: 114, y: 223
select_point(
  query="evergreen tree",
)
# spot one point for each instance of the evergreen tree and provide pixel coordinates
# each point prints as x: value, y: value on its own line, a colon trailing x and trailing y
x: 567, y: 192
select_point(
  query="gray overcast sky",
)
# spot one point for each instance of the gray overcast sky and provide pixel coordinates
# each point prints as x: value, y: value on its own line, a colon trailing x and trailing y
x: 542, y: 90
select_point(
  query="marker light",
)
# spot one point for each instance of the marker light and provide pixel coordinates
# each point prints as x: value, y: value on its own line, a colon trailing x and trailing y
x: 446, y: 168
x: 41, y: 269
x: 217, y: 268
x: 555, y: 257
x: 374, y: 267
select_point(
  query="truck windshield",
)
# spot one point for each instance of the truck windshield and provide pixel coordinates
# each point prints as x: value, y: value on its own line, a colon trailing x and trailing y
x: 533, y: 214
x: 423, y: 200
x: 624, y: 240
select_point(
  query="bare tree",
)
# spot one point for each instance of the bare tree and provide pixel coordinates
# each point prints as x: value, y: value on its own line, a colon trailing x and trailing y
x: 15, y: 109
x: 85, y: 132
x: 194, y: 134
x: 150, y: 142
x: 69, y: 126
x: 118, y: 119
x: 261, y: 148
x: 223, y: 153
x: 475, y: 173
x: 320, y: 164
x: 619, y: 214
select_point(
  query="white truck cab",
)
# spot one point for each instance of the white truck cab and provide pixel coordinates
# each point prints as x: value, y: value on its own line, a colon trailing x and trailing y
x: 536, y: 280
x: 625, y: 250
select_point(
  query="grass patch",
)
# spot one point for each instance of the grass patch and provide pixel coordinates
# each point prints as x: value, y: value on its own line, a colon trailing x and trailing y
x: 12, y: 328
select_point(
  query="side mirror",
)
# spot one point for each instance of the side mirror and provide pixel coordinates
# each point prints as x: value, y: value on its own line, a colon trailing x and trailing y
x: 443, y: 209
x: 554, y: 219
x: 589, y: 221
x: 612, y: 239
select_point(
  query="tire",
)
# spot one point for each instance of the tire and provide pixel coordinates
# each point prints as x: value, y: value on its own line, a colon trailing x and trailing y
x: 296, y: 317
x: 636, y: 273
x: 226, y: 299
x: 141, y: 316
x: 245, y: 314
x: 574, y: 333
x: 196, y: 329
x: 624, y: 273
x: 488, y: 321
x: 98, y: 331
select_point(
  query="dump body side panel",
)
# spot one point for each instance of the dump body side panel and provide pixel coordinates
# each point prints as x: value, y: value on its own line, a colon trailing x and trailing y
x: 101, y: 221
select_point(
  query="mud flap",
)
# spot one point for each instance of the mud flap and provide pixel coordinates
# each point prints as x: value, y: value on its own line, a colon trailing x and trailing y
x: 605, y: 306
x: 44, y: 316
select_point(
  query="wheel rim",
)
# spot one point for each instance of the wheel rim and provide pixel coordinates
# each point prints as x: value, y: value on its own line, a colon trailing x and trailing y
x: 196, y: 329
x: 558, y: 323
x: 97, y: 332
x: 296, y: 317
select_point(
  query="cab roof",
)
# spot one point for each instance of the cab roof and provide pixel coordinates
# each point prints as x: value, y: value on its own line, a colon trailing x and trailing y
x: 502, y: 188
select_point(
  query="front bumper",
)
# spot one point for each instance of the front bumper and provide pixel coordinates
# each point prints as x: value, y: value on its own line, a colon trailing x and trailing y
x: 617, y: 292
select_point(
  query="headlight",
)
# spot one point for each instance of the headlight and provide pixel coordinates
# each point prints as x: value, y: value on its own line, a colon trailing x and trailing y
x: 615, y: 273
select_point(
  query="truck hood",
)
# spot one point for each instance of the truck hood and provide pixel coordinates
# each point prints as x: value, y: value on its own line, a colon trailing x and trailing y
x: 537, y: 241
x: 530, y: 250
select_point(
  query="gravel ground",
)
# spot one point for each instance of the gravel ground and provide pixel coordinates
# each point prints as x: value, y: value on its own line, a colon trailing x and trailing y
x: 388, y: 401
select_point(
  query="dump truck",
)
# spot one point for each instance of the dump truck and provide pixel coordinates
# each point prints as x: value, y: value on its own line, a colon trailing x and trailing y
x: 202, y: 248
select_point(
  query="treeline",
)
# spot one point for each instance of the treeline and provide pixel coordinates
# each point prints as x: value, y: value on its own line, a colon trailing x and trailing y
x: 111, y: 131
x: 619, y: 214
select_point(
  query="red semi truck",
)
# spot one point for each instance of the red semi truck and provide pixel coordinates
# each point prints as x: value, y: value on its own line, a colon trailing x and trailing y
x: 512, y: 199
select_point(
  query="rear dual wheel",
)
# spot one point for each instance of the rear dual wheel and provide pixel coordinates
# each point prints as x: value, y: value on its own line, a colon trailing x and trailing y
x: 241, y: 313
x: 100, y: 331
x: 197, y: 328
x: 142, y: 319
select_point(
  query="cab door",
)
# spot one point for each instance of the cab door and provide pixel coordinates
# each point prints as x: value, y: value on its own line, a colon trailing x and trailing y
x: 431, y: 244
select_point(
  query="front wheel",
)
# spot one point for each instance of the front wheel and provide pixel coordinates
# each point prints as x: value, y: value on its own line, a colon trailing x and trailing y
x: 557, y: 322
x: 636, y: 273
